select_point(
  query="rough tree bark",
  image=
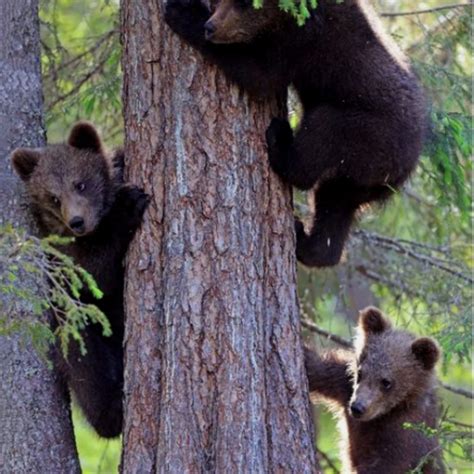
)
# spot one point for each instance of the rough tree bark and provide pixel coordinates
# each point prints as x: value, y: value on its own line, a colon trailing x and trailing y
x: 35, y: 427
x: 214, y: 376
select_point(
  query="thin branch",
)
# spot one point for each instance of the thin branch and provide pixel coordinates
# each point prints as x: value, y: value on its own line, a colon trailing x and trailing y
x: 91, y: 51
x: 98, y: 68
x: 332, y: 337
x: 441, y: 24
x: 328, y: 461
x: 458, y: 423
x: 460, y: 391
x: 402, y: 248
x: 372, y: 275
x: 348, y: 345
x: 427, y: 10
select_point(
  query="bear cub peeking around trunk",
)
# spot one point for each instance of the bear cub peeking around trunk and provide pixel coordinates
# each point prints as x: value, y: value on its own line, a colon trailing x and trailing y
x: 364, y: 112
x: 387, y: 381
x: 76, y: 189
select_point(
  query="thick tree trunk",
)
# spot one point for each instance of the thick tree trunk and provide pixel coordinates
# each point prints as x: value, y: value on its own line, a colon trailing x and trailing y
x: 214, y: 377
x: 35, y: 427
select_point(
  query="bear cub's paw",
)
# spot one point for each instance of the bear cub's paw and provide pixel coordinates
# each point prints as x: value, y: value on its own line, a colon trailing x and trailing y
x: 279, y: 134
x: 279, y: 139
x: 132, y: 202
x: 299, y: 229
x: 187, y: 18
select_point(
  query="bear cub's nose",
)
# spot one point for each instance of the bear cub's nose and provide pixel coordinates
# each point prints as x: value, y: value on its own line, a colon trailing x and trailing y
x: 357, y: 409
x: 209, y: 29
x: 77, y: 224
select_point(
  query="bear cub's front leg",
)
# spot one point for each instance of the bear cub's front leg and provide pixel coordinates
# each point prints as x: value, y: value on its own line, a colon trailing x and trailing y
x: 187, y: 18
x: 127, y: 212
x: 279, y: 140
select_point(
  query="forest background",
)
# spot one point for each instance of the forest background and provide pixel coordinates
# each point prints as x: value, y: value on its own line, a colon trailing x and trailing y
x: 412, y: 258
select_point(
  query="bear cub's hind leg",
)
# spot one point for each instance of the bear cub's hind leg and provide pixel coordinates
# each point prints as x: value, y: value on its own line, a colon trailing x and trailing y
x: 335, y: 213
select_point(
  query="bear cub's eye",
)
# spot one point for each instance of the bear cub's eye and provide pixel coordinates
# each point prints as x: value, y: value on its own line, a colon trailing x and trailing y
x: 386, y: 384
x: 359, y: 375
x: 55, y: 201
x: 80, y: 186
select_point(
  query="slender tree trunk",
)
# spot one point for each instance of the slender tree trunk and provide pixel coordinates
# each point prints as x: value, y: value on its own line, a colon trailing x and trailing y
x: 214, y: 378
x: 35, y: 427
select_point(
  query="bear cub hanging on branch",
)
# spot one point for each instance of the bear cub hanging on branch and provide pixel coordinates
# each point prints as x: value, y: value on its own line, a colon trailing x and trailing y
x: 76, y: 189
x: 387, y: 381
x: 364, y: 112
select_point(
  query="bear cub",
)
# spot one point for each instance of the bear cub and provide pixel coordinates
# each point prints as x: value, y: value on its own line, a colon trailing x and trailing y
x: 364, y: 111
x: 76, y: 189
x: 388, y: 380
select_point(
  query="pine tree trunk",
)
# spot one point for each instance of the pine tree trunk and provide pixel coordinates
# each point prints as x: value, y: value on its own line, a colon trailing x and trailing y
x: 214, y: 377
x: 35, y: 426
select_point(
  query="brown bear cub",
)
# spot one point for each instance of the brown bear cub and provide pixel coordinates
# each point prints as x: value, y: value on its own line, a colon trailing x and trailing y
x: 387, y: 381
x: 364, y: 110
x: 77, y: 189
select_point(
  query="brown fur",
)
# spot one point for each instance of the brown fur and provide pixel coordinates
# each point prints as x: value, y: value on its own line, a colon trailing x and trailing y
x: 54, y: 176
x: 388, y: 380
x: 77, y: 189
x: 230, y: 24
x: 364, y: 111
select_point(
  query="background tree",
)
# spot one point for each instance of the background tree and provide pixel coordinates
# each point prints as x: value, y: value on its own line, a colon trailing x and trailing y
x: 214, y: 376
x: 35, y: 425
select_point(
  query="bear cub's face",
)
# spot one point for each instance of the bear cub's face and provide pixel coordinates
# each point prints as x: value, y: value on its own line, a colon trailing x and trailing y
x: 70, y: 185
x: 237, y: 21
x: 392, y: 366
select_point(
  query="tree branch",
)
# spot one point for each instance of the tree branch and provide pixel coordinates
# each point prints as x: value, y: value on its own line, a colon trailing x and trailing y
x: 372, y: 275
x: 459, y: 391
x: 97, y: 69
x: 427, y: 10
x: 403, y: 248
x: 348, y: 345
x: 322, y: 332
x: 328, y: 461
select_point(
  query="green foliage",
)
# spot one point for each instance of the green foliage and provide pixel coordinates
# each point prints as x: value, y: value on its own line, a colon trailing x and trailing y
x: 81, y: 65
x: 448, y: 161
x: 455, y: 438
x: 300, y: 10
x: 444, y: 64
x: 423, y: 284
x: 97, y: 455
x: 35, y: 277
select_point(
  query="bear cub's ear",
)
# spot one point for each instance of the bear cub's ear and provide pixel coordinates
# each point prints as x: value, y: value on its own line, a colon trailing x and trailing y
x: 372, y: 321
x: 426, y: 351
x: 24, y: 161
x: 85, y: 136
